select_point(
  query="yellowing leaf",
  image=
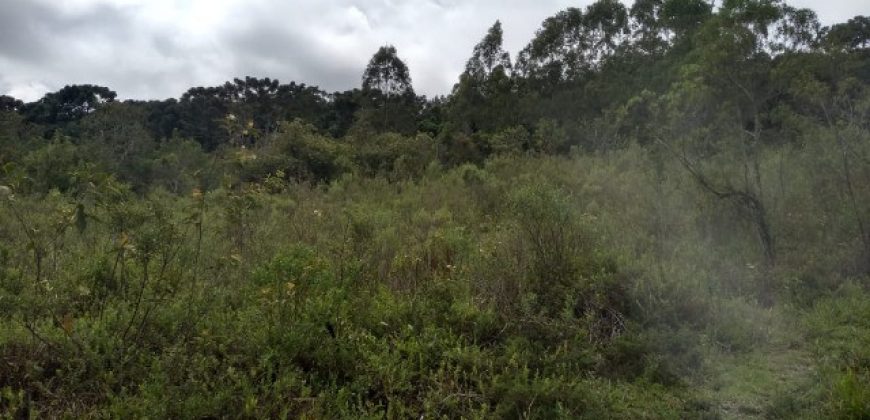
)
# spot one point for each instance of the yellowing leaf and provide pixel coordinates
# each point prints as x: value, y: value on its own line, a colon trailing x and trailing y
x: 123, y: 240
x: 67, y: 323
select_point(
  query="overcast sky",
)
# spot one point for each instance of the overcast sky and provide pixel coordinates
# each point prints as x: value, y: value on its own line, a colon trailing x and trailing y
x: 154, y: 49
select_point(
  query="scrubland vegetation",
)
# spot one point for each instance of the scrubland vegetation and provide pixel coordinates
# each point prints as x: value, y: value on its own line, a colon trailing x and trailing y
x: 655, y: 212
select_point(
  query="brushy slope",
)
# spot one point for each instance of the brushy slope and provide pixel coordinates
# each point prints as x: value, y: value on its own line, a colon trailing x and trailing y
x: 606, y: 286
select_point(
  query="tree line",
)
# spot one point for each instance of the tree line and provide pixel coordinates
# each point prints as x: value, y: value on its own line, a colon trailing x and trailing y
x: 590, y: 79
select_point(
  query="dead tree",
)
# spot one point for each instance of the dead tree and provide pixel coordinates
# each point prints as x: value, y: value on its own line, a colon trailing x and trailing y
x: 746, y: 200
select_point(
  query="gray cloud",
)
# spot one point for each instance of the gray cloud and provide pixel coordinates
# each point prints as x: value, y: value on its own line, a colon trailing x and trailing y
x: 34, y: 32
x: 289, y: 51
x: 22, y: 32
x: 159, y: 48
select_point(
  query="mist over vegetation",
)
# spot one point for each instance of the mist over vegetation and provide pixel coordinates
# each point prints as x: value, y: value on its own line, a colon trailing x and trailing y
x: 655, y: 211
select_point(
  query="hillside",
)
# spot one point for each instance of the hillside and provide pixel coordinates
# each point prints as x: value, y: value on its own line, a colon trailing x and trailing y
x: 655, y: 211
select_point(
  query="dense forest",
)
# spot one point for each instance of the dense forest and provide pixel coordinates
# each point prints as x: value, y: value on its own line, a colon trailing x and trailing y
x: 654, y: 211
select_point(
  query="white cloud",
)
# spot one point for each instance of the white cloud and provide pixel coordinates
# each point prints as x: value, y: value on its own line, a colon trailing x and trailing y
x: 834, y: 11
x: 28, y: 91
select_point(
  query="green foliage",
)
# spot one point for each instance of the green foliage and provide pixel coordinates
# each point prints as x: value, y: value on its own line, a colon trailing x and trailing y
x: 296, y: 150
x: 69, y: 104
